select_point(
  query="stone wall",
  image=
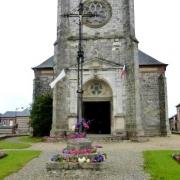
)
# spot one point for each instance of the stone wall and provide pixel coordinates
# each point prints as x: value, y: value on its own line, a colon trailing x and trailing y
x: 115, y: 42
x: 23, y: 125
x: 150, y: 96
x: 178, y: 117
x: 43, y: 77
x: 154, y: 105
x: 7, y: 130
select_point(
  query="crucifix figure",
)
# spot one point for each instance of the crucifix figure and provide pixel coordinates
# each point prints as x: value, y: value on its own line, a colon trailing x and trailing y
x: 80, y: 60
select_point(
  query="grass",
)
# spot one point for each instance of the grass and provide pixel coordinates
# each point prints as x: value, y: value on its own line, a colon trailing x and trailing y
x: 30, y: 139
x: 161, y: 165
x: 15, y: 161
x: 22, y: 142
x: 11, y: 145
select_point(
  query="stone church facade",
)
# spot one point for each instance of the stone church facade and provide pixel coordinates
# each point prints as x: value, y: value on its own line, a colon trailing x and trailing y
x: 128, y: 103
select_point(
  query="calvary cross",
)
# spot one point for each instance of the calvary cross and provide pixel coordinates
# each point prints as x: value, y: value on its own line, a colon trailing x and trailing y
x: 80, y: 60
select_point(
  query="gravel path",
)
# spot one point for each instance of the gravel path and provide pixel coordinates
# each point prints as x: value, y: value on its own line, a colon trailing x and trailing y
x: 125, y: 161
x: 121, y: 165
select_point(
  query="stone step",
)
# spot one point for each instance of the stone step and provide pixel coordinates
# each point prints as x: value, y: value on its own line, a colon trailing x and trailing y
x: 105, y: 138
x: 92, y: 137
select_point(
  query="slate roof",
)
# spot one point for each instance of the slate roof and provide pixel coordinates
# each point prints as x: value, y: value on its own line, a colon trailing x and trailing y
x: 172, y: 117
x: 144, y: 60
x: 9, y: 114
x: 12, y: 114
x: 178, y: 105
x: 46, y: 64
x: 25, y: 112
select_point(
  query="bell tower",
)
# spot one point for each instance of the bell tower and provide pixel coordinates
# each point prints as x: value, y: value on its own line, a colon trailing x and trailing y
x: 109, y: 36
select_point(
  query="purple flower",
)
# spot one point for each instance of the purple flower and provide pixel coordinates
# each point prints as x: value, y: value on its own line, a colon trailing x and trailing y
x: 98, y: 146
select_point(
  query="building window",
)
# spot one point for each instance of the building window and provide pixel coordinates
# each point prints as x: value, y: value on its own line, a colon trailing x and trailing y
x: 96, y: 88
x: 11, y: 122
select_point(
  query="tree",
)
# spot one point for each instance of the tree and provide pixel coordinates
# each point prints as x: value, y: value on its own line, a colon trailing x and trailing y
x: 41, y: 115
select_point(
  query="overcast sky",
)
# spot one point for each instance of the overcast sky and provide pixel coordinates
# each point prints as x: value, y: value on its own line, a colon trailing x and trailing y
x: 28, y: 31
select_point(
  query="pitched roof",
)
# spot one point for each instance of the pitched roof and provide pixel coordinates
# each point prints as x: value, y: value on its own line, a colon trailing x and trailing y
x: 24, y: 113
x: 178, y: 105
x: 172, y: 117
x: 9, y: 114
x: 144, y: 60
x: 46, y: 64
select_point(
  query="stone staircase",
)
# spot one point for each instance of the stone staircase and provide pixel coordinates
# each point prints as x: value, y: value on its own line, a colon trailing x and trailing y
x: 93, y: 137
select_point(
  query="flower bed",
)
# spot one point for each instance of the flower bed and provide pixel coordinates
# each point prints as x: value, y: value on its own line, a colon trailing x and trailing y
x: 81, y: 158
x: 79, y: 154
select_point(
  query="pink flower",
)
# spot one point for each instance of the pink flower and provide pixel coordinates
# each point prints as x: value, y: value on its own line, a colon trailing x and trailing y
x: 85, y: 125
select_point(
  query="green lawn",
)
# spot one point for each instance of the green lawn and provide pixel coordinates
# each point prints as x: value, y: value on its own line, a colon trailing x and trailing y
x: 11, y: 145
x: 161, y: 165
x: 15, y: 161
x: 19, y: 142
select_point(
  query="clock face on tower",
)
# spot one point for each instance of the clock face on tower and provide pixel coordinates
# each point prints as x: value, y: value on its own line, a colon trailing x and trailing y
x: 101, y: 8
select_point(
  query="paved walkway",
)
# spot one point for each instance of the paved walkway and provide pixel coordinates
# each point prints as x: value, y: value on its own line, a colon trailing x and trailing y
x: 124, y: 162
x: 2, y: 136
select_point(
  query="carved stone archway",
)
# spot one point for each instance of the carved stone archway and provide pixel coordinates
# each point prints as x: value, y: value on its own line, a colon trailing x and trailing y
x: 97, y: 106
x: 97, y: 90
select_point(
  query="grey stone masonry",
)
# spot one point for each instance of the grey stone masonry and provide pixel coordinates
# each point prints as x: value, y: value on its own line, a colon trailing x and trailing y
x: 43, y: 77
x: 115, y: 42
x: 138, y: 98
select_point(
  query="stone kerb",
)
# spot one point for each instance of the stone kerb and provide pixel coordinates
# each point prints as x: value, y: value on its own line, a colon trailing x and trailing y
x: 2, y: 154
x: 80, y: 143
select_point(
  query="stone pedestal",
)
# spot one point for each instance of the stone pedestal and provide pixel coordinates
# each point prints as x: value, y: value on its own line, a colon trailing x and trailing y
x: 85, y: 160
x: 80, y: 143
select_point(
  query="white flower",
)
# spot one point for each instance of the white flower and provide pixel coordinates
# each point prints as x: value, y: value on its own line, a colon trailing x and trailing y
x: 81, y: 160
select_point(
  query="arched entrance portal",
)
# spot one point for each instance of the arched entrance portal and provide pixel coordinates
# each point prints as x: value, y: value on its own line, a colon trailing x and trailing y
x: 97, y: 106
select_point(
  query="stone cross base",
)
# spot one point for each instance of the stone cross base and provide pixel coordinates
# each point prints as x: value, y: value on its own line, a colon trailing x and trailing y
x: 79, y: 143
x: 60, y: 167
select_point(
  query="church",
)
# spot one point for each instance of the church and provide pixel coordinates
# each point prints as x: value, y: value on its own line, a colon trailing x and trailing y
x: 124, y: 89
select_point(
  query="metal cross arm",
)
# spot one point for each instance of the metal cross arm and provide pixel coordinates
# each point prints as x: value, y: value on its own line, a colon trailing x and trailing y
x: 78, y: 15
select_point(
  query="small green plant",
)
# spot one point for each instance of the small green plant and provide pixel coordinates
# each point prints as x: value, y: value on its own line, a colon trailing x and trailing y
x: 41, y: 115
x: 15, y: 160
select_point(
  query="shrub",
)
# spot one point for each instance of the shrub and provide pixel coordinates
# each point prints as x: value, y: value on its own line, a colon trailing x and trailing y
x: 41, y: 115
